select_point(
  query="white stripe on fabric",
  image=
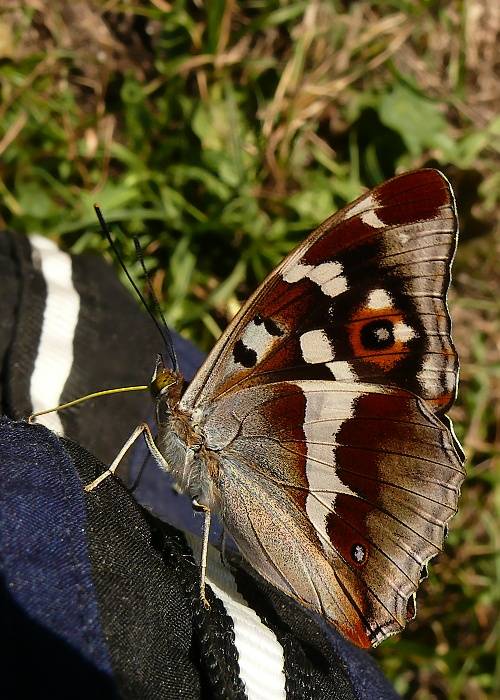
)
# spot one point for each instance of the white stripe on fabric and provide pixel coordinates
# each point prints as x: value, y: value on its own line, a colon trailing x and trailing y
x: 54, y: 357
x: 260, y: 655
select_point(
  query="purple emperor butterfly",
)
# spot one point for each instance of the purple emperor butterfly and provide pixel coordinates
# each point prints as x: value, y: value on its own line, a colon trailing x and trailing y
x: 317, y: 426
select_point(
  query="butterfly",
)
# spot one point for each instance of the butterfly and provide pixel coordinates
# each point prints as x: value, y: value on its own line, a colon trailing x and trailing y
x: 317, y: 427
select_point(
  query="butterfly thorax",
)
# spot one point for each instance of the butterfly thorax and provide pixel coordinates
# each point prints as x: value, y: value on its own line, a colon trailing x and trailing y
x: 192, y: 465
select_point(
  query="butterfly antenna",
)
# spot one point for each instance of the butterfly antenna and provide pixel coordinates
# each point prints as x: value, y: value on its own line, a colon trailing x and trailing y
x: 166, y: 334
x: 166, y: 337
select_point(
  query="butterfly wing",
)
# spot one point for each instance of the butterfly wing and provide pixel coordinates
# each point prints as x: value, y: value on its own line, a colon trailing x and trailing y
x: 363, y: 298
x: 324, y: 401
x: 338, y: 495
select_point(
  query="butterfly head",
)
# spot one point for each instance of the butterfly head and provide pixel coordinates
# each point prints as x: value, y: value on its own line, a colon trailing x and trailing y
x: 165, y: 382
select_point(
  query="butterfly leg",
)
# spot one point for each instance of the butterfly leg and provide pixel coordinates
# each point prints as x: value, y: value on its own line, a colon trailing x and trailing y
x: 224, y: 549
x: 142, y: 429
x: 204, y: 550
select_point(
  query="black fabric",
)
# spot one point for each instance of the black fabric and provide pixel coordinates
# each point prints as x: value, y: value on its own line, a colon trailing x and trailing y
x: 22, y: 302
x: 144, y: 609
x: 116, y: 344
x: 108, y: 316
x: 9, y: 293
x: 310, y: 668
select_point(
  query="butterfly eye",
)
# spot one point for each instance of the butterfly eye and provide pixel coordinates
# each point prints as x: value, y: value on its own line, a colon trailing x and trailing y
x: 162, y: 380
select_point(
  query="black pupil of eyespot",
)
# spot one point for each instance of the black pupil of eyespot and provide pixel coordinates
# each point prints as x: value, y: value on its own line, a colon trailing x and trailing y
x: 378, y: 335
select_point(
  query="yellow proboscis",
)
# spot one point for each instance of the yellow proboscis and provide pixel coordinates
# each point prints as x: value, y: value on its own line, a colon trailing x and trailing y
x: 95, y: 395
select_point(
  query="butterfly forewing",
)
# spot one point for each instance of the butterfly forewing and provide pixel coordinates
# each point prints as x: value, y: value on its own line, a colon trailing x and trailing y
x: 363, y: 298
x: 324, y: 402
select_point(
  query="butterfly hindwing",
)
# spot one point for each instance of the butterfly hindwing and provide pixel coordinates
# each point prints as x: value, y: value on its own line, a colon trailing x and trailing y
x: 356, y: 481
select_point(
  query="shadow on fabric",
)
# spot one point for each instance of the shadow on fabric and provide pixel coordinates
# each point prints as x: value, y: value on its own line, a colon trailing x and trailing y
x: 36, y: 661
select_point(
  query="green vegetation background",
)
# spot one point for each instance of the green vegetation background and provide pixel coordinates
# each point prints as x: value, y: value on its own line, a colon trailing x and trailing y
x: 221, y: 133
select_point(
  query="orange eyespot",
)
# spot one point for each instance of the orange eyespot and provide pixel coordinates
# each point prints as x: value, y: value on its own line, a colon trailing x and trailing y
x: 379, y: 336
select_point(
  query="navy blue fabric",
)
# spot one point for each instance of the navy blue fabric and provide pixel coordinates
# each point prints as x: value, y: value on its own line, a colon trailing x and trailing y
x: 364, y: 674
x: 44, y: 551
x: 49, y: 610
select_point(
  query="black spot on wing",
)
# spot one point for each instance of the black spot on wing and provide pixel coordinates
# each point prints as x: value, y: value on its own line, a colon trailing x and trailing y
x: 243, y: 355
x: 411, y: 608
x: 271, y: 327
